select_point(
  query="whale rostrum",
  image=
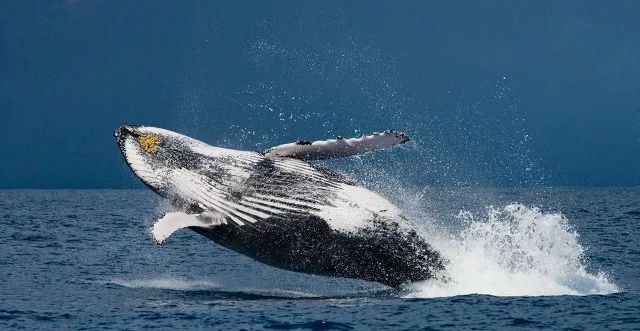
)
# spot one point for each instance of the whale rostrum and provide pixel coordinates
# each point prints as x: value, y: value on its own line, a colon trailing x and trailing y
x: 278, y: 208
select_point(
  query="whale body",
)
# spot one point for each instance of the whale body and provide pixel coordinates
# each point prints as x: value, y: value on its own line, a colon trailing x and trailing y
x: 280, y: 209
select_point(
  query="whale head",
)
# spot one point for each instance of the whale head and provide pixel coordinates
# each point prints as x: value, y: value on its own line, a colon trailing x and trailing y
x: 152, y: 153
x: 142, y: 149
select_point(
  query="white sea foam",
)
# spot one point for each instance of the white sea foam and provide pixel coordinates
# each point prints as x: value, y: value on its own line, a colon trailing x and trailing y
x: 513, y: 251
x: 167, y: 283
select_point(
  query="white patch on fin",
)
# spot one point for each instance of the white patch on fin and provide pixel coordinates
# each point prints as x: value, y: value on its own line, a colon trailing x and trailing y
x: 172, y: 222
x: 339, y: 147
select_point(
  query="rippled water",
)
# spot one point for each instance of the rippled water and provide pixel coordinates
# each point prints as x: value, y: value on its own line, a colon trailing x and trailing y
x: 561, y: 258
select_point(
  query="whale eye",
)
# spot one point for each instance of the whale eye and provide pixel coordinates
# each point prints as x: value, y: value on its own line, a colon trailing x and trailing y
x: 149, y: 143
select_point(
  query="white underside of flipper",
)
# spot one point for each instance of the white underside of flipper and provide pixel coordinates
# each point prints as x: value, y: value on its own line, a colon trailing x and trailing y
x: 172, y: 222
x: 339, y: 147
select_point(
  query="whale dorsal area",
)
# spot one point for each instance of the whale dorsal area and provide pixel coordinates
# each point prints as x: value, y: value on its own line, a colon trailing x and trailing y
x: 339, y: 147
x: 172, y: 222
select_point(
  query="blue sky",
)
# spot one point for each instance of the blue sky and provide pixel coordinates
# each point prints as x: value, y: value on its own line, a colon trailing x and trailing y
x: 500, y: 93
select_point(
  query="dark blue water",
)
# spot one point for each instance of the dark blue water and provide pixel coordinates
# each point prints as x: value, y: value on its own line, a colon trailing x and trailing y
x: 83, y: 259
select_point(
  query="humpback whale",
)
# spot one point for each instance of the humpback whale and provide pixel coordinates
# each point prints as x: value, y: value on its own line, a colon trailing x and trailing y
x: 279, y: 208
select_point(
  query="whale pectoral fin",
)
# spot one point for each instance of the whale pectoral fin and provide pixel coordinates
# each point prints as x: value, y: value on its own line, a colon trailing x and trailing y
x: 339, y: 147
x: 172, y: 222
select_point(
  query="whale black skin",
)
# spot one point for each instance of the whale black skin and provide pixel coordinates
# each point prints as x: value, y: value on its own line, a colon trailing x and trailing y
x: 386, y: 250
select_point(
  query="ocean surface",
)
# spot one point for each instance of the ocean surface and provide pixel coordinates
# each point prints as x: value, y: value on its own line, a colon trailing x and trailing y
x: 526, y: 258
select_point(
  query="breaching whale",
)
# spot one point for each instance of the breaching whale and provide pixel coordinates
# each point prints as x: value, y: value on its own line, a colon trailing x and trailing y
x: 279, y: 209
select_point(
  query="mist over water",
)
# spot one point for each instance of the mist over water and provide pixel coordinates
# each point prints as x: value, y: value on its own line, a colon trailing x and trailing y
x: 348, y: 86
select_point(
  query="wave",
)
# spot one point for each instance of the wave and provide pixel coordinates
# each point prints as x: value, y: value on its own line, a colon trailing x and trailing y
x: 513, y: 251
x: 167, y: 283
x: 210, y: 289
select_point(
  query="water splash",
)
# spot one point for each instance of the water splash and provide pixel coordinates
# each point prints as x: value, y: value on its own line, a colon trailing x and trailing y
x: 514, y: 251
